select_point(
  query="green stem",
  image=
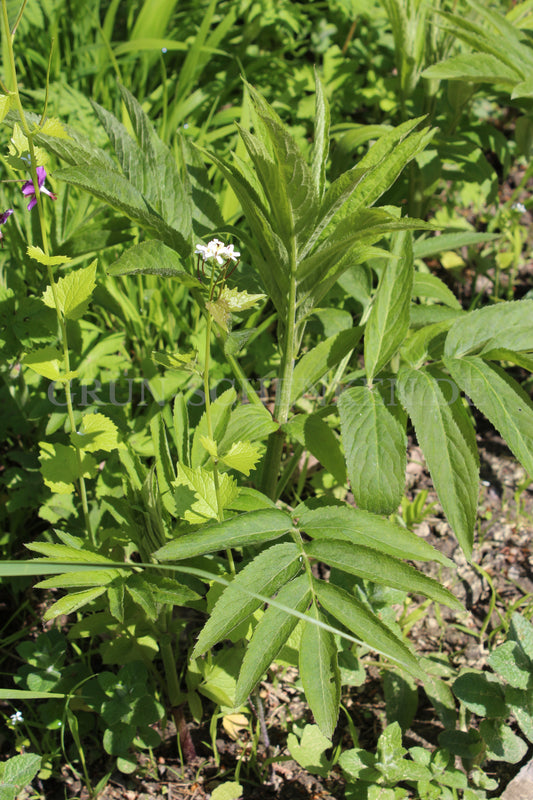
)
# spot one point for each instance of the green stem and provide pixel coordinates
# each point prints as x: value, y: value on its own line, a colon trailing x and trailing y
x: 9, y: 37
x: 169, y: 662
x: 220, y: 507
x: 282, y: 405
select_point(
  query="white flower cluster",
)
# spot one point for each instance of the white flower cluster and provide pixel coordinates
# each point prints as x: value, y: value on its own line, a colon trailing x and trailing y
x: 16, y: 717
x: 217, y: 249
x: 519, y: 208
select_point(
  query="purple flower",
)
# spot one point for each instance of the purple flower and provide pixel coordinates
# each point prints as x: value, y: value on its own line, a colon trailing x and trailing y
x: 3, y: 219
x: 29, y: 189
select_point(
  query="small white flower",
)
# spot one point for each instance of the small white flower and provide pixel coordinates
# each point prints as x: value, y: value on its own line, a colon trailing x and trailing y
x: 17, y: 717
x: 519, y: 208
x: 218, y: 250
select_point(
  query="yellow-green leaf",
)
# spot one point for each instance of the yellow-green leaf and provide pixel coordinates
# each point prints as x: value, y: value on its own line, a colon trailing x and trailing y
x: 54, y: 127
x: 234, y: 300
x: 6, y: 101
x: 71, y: 602
x: 210, y: 445
x: 60, y: 466
x: 47, y: 361
x: 186, y: 361
x: 97, y: 432
x: 73, y: 292
x: 38, y: 254
x: 242, y: 456
x: 203, y: 485
x: 220, y: 314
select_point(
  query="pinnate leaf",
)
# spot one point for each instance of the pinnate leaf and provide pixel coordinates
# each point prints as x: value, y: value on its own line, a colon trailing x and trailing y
x: 245, y: 529
x: 502, y: 326
x: 270, y: 635
x: 364, y: 624
x: 388, y: 322
x: 449, y: 455
x: 374, y: 439
x: 379, y: 568
x: 361, y: 527
x: 264, y: 575
x: 73, y: 602
x: 501, y: 399
x: 320, y: 674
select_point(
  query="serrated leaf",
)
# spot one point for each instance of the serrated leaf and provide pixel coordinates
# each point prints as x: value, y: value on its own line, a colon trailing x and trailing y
x: 375, y: 446
x: 364, y: 624
x: 115, y: 190
x: 6, y: 101
x: 210, y: 445
x: 505, y: 325
x: 242, y: 456
x: 220, y: 313
x: 97, y: 432
x: 61, y: 552
x: 449, y: 455
x: 375, y: 566
x: 321, y: 142
x: 427, y: 285
x: 46, y: 361
x: 139, y: 589
x: 185, y: 361
x: 235, y: 300
x: 501, y: 399
x: 425, y: 343
x: 319, y: 672
x: 325, y: 356
x: 73, y: 579
x: 202, y: 484
x: 520, y: 704
x: 38, y: 254
x: 72, y: 602
x: 220, y: 415
x: 245, y: 529
x: 61, y: 465
x: 388, y: 322
x: 286, y: 178
x: 153, y: 258
x: 361, y: 186
x: 73, y: 292
x: 313, y: 433
x: 271, y: 634
x: 363, y: 528
x: 264, y: 575
x: 474, y: 67
x: 53, y: 126
x: 250, y: 422
x: 166, y: 475
x: 170, y: 591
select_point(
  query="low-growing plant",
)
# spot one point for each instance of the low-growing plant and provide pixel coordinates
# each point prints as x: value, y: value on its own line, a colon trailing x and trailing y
x: 172, y: 518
